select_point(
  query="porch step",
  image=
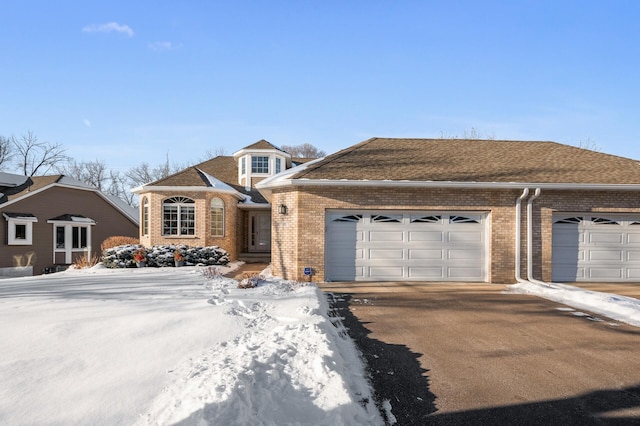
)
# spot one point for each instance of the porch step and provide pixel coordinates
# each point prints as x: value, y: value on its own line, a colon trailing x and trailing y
x: 255, y: 257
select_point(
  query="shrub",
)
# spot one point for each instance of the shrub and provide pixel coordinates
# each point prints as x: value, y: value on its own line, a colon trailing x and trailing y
x: 250, y: 280
x: 116, y: 241
x: 86, y: 262
x: 123, y: 256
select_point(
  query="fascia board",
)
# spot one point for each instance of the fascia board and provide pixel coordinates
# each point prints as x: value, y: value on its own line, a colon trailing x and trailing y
x: 434, y: 184
x: 245, y: 151
x: 177, y: 189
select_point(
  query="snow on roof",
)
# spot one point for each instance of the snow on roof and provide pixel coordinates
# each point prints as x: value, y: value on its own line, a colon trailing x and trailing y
x: 286, y: 174
x: 220, y: 185
x: 9, y: 179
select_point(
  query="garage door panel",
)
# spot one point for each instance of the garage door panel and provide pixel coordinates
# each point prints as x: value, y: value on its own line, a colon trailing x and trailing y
x: 464, y: 237
x: 426, y: 236
x: 462, y: 254
x: 596, y: 273
x: 606, y: 255
x: 386, y: 236
x: 604, y: 238
x: 633, y: 238
x: 426, y: 254
x: 426, y: 273
x: 386, y: 272
x: 463, y: 273
x: 392, y: 254
x: 633, y: 256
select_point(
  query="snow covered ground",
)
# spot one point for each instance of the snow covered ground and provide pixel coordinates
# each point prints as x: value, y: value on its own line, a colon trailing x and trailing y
x: 620, y: 308
x: 169, y: 345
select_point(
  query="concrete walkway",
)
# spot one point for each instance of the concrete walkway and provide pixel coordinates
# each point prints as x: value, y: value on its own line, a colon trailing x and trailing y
x: 468, y: 354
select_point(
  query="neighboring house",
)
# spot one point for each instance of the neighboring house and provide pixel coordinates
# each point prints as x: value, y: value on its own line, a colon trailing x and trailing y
x: 215, y: 203
x: 51, y: 221
x: 456, y: 210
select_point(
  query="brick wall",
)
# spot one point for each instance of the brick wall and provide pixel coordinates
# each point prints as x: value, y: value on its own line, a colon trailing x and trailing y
x: 298, y: 238
x: 202, y: 237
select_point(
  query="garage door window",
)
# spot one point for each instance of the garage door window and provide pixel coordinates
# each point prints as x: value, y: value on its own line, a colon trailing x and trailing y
x: 377, y: 218
x: 426, y: 219
x: 463, y: 219
x: 348, y: 218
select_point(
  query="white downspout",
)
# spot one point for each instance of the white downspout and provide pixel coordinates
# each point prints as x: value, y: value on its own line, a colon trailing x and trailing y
x: 518, y: 229
x: 530, y: 278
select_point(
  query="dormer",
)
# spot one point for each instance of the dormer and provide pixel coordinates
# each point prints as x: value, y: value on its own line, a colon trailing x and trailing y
x: 259, y: 161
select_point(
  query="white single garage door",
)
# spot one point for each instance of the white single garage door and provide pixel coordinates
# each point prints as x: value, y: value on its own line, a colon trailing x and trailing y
x: 397, y: 245
x: 596, y: 248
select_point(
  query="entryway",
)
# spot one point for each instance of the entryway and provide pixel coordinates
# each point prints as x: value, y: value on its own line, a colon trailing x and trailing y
x: 260, y: 232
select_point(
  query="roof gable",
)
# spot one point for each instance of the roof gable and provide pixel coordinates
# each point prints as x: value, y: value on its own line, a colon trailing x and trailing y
x: 462, y: 160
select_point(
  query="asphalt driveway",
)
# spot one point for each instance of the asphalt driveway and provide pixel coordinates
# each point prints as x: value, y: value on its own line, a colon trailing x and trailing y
x: 469, y: 354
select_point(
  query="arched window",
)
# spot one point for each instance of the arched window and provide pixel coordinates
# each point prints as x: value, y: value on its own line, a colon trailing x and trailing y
x: 145, y: 216
x: 217, y: 217
x: 178, y: 216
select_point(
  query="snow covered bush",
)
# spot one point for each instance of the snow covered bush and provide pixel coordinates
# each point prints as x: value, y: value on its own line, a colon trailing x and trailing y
x: 123, y: 256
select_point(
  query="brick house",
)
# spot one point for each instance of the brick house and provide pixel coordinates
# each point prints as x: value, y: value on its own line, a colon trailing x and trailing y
x: 51, y: 221
x: 457, y: 210
x: 215, y: 203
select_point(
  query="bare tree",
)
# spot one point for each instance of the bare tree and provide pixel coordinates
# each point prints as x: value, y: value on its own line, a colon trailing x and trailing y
x: 472, y: 133
x: 35, y: 157
x: 91, y: 172
x: 120, y: 186
x: 305, y: 150
x: 589, y: 144
x: 144, y: 173
x: 6, y: 150
x: 213, y: 153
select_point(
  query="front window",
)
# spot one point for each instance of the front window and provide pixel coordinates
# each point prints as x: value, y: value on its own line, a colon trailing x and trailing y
x: 78, y: 237
x: 259, y: 164
x: 145, y: 216
x: 178, y: 216
x: 217, y: 217
x: 19, y: 228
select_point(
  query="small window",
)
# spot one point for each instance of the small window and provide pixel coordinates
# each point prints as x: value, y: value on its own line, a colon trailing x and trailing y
x: 217, y: 217
x: 395, y: 218
x: 243, y: 165
x: 426, y: 219
x: 19, y: 228
x: 463, y: 219
x: 78, y: 237
x: 278, y: 165
x: 570, y: 220
x: 635, y: 223
x: 603, y: 221
x: 259, y: 164
x: 348, y: 218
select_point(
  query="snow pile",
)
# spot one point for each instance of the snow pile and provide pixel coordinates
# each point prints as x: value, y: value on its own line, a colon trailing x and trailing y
x: 620, y: 308
x: 174, y: 345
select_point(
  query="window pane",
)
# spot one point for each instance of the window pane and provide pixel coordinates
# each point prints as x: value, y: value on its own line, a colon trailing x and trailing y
x: 187, y: 220
x: 59, y: 236
x: 145, y: 217
x: 278, y: 165
x: 83, y: 237
x: 243, y: 162
x: 170, y: 220
x: 21, y: 232
x: 259, y: 164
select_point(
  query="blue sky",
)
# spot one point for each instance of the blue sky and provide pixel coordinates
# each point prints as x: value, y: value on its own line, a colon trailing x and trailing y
x: 127, y: 82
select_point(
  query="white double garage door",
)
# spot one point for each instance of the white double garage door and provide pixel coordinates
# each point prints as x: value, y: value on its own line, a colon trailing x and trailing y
x: 597, y: 248
x: 406, y: 245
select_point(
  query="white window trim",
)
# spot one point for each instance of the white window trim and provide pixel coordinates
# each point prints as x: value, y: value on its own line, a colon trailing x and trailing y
x: 68, y: 249
x: 12, y: 222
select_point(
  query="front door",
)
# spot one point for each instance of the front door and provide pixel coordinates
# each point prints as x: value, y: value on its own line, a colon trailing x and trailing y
x: 260, y: 231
